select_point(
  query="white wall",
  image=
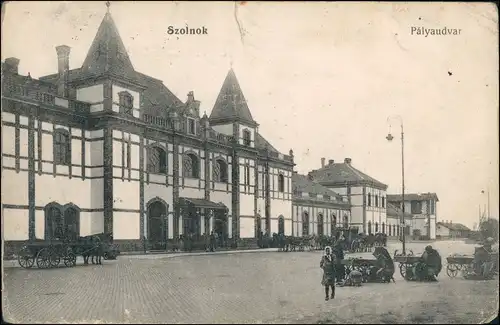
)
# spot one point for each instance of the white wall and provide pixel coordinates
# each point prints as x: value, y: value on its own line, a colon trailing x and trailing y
x: 94, y: 95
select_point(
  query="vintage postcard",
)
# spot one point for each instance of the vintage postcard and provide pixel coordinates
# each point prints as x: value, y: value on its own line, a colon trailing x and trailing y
x: 249, y: 162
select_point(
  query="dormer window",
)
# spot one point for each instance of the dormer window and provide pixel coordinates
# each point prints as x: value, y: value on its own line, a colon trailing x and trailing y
x: 126, y: 103
x: 191, y: 126
x: 247, y: 138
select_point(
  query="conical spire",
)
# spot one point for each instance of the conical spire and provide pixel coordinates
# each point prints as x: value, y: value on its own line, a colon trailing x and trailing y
x: 107, y: 52
x: 231, y: 104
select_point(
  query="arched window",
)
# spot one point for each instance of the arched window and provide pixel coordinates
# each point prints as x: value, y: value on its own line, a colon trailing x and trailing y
x: 62, y: 147
x: 369, y: 227
x: 281, y: 183
x: 346, y: 221
x: 376, y: 227
x: 320, y: 224
x: 383, y: 227
x: 333, y: 224
x: 71, y: 224
x: 220, y: 171
x: 247, y: 138
x: 281, y: 225
x: 62, y: 223
x: 157, y: 160
x: 191, y: 166
x: 369, y: 199
x: 305, y: 223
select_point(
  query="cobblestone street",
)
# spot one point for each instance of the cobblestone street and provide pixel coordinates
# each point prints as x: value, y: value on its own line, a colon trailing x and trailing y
x: 240, y: 287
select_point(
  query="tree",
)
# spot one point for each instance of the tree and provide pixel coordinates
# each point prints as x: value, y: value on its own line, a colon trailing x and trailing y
x: 489, y: 227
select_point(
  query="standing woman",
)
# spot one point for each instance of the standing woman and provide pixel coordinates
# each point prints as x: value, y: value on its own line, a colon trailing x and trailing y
x: 328, y: 265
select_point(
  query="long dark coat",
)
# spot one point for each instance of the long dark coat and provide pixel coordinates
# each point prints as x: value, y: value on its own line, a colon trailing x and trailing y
x: 328, y: 265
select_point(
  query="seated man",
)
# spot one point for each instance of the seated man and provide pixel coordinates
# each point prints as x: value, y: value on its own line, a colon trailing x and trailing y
x: 383, y: 271
x: 429, y: 266
x: 483, y: 264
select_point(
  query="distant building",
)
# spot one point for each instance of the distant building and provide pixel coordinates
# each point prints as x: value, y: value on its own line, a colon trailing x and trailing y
x: 366, y: 195
x: 449, y: 229
x: 423, y: 208
x: 317, y: 210
x: 394, y: 220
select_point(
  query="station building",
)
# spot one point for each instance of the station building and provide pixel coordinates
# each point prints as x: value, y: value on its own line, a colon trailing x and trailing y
x: 106, y: 149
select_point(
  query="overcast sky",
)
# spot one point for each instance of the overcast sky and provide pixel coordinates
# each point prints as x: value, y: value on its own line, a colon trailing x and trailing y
x: 321, y: 78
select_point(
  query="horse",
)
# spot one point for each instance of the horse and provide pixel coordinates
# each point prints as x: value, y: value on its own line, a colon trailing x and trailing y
x: 93, y: 246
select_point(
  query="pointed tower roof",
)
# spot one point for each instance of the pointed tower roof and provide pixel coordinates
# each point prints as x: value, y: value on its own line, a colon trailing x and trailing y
x: 231, y: 105
x: 107, y: 52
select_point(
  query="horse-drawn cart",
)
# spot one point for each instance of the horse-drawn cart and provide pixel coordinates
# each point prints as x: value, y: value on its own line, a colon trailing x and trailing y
x: 405, y: 262
x: 50, y: 253
x: 456, y: 263
x: 362, y: 265
x: 46, y: 254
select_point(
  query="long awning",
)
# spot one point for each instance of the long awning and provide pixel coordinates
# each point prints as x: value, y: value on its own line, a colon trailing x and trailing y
x: 201, y: 203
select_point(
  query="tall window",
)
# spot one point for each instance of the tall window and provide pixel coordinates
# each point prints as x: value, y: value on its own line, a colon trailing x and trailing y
x: 60, y: 223
x: 376, y: 200
x: 416, y: 207
x: 389, y: 228
x: 383, y: 227
x: 376, y: 227
x: 220, y: 171
x: 369, y: 227
x: 369, y: 199
x: 157, y: 160
x: 281, y: 183
x: 62, y: 147
x: 394, y: 230
x: 346, y: 221
x: 191, y: 126
x: 126, y: 103
x: 383, y: 201
x: 333, y: 224
x: 281, y: 225
x: 320, y: 225
x: 246, y: 174
x: 191, y: 166
x: 247, y: 138
x: 305, y: 223
x: 71, y: 224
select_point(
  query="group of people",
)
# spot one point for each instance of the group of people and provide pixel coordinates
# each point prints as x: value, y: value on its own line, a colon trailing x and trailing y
x: 426, y: 269
x: 334, y: 271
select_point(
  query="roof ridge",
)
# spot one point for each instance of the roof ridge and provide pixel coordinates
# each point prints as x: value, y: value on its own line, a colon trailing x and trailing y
x: 357, y: 172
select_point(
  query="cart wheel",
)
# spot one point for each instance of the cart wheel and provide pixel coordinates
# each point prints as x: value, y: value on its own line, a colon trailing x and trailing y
x: 452, y: 270
x: 70, y: 259
x: 55, y: 258
x: 43, y: 258
x: 25, y: 258
x: 106, y: 256
x: 402, y: 270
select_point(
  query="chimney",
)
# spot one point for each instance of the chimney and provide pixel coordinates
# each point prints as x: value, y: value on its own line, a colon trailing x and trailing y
x: 12, y: 65
x: 323, y: 162
x: 348, y: 161
x: 330, y: 162
x: 63, y: 69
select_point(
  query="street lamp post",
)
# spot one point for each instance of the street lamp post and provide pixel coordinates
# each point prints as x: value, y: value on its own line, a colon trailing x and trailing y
x: 390, y: 138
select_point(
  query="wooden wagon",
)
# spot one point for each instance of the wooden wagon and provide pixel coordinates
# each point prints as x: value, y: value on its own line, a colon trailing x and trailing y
x: 363, y: 265
x: 46, y: 254
x: 406, y: 262
x: 50, y: 253
x: 456, y: 263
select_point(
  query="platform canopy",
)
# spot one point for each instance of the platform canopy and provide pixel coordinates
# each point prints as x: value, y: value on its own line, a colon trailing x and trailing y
x: 201, y: 204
